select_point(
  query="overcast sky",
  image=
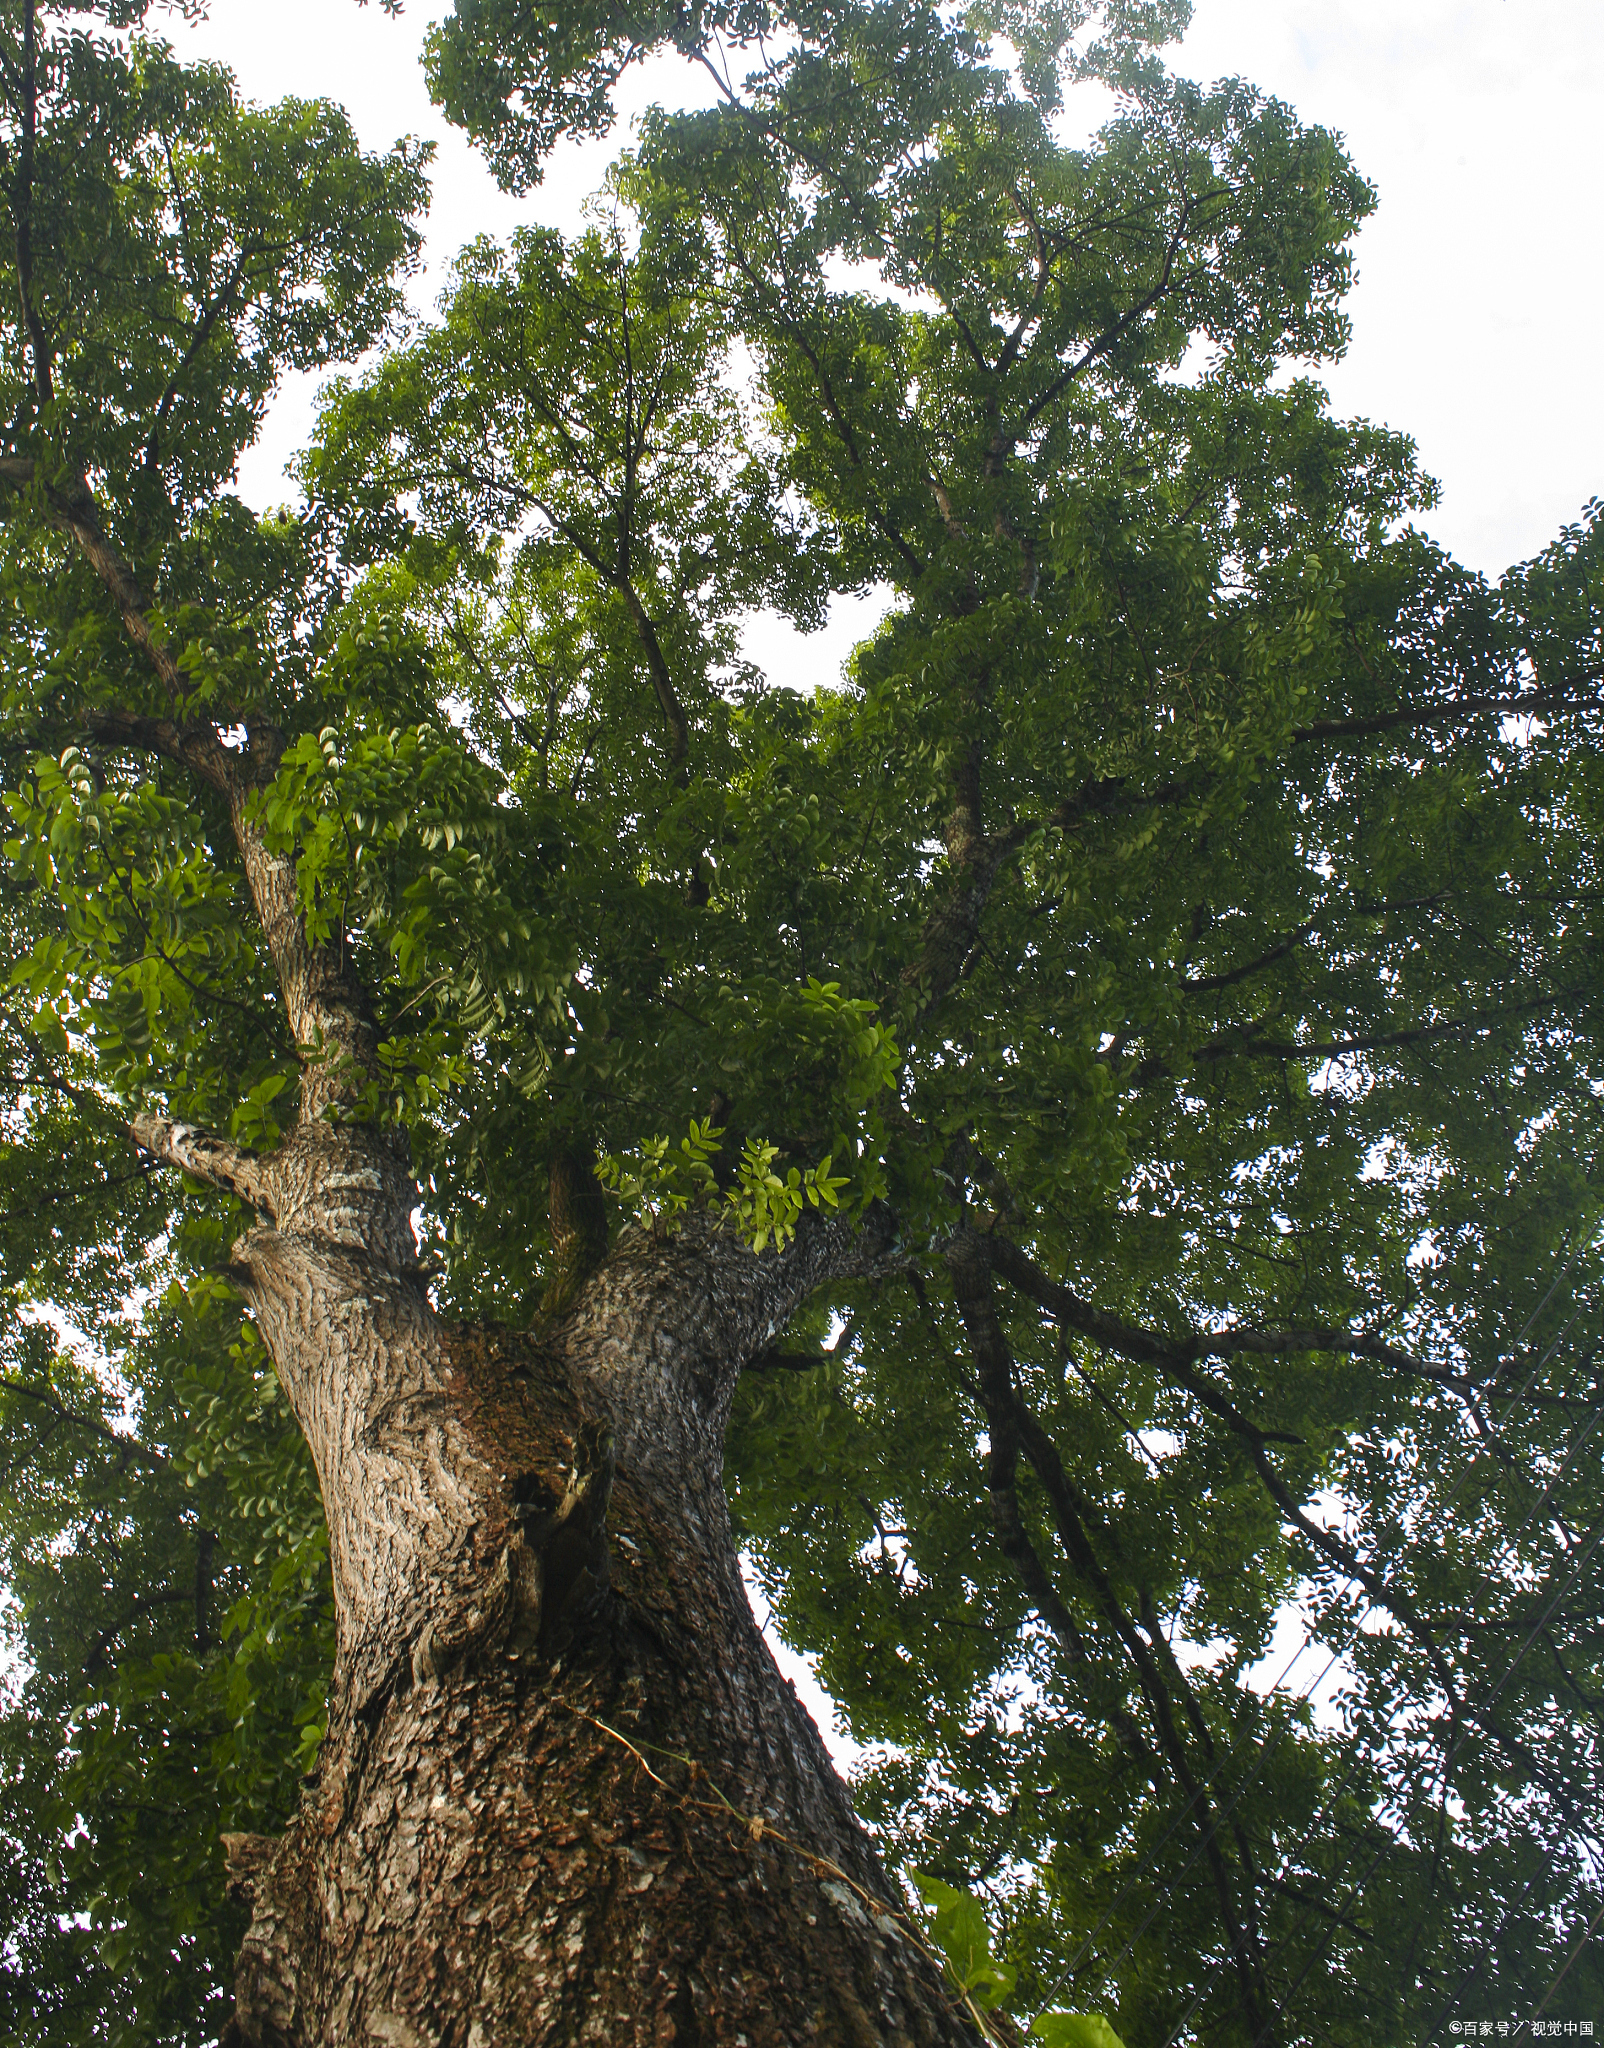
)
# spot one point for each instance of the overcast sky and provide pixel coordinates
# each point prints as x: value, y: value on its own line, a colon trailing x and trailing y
x: 1480, y: 289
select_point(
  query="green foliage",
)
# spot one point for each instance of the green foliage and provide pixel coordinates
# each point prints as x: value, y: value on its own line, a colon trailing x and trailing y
x: 1187, y: 906
x: 180, y: 1676
x: 764, y: 1207
x: 660, y: 1185
x: 838, y: 1062
x: 959, y: 1931
x: 1073, y: 2030
x: 958, y: 1928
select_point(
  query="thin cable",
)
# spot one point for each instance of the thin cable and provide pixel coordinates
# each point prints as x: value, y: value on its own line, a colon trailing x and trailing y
x: 1202, y: 1990
x: 1580, y: 1565
x: 1271, y: 1742
x: 1592, y: 1929
x: 1273, y: 1738
x: 1544, y: 1497
x: 1326, y: 1940
x: 1149, y: 1861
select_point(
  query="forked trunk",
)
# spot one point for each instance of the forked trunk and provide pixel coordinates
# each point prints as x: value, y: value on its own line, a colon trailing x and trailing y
x: 565, y: 1794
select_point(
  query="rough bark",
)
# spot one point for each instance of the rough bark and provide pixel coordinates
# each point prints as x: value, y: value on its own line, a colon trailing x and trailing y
x: 565, y: 1795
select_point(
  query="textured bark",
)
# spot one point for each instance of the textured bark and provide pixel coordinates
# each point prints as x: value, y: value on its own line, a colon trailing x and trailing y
x: 565, y: 1795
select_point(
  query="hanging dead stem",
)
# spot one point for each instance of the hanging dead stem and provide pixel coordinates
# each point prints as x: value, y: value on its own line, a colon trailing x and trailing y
x: 762, y: 1830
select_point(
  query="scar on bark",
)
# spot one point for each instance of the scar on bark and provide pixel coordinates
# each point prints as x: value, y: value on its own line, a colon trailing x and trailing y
x: 247, y: 1858
x: 557, y: 1561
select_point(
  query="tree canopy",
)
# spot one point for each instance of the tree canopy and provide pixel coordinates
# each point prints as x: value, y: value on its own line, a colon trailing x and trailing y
x: 1178, y: 930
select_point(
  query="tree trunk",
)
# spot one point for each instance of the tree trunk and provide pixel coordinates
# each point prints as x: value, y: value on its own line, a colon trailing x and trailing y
x: 565, y: 1794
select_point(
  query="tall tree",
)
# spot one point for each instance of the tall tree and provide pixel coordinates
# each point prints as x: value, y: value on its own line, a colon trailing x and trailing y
x: 1080, y: 1136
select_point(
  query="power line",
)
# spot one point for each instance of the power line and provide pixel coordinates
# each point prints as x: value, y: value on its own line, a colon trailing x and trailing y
x: 1285, y: 2003
x: 1592, y: 1929
x: 1580, y: 1565
x: 1274, y: 1737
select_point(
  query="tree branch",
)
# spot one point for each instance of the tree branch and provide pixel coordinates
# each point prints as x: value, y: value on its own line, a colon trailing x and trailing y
x: 22, y: 209
x: 1012, y: 1426
x: 1176, y: 1359
x: 1205, y: 984
x: 1110, y: 336
x: 1129, y: 1340
x: 210, y: 314
x: 1248, y: 1045
x: 139, y: 1604
x: 72, y: 508
x: 1423, y: 717
x: 206, y: 1157
x: 949, y: 932
x: 129, y: 1445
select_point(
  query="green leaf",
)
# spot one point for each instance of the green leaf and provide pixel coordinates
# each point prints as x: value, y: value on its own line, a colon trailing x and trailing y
x: 1074, y: 2030
x: 959, y: 1930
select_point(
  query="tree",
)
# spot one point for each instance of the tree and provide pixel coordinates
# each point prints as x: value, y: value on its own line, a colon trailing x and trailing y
x: 1076, y: 1138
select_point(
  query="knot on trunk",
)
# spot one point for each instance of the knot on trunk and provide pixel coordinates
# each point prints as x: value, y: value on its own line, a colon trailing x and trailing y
x: 346, y: 1186
x: 248, y: 1858
x: 557, y: 1562
x: 554, y: 1571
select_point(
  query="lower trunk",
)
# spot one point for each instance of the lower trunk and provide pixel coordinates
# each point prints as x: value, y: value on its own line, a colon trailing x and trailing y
x: 565, y: 1794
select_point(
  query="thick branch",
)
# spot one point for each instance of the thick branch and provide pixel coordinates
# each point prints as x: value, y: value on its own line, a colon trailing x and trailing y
x: 22, y: 204
x: 194, y: 746
x: 1426, y: 717
x: 665, y: 1326
x: 206, y: 1157
x: 1002, y: 1466
x: 1176, y: 1359
x: 72, y: 508
x: 976, y: 859
x: 657, y: 668
x: 1129, y: 1340
x: 1011, y: 1425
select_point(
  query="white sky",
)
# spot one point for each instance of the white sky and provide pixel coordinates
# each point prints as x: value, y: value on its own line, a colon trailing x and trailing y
x: 1480, y: 288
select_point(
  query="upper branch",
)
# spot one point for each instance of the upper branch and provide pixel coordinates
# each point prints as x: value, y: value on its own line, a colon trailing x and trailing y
x: 194, y: 745
x: 22, y: 209
x: 210, y: 314
x: 976, y: 860
x: 130, y: 1446
x: 1112, y: 335
x: 1145, y: 1347
x: 72, y: 508
x: 1425, y: 717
